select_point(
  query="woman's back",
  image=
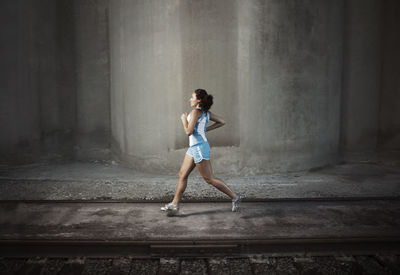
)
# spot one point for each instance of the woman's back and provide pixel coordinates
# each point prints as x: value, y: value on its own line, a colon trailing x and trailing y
x: 199, y: 132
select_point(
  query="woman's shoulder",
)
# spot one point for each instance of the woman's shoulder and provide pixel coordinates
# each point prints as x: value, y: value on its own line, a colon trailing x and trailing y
x: 197, y: 110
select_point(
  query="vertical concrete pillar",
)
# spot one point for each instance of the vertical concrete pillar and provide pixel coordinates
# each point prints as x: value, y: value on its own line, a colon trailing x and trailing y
x: 37, y: 98
x: 290, y: 61
x: 146, y: 84
x: 361, y: 75
x: 389, y: 106
x: 19, y: 96
x: 274, y: 68
x: 93, y: 79
x: 209, y: 37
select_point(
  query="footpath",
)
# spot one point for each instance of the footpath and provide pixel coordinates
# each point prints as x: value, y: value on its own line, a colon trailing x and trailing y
x: 99, y: 203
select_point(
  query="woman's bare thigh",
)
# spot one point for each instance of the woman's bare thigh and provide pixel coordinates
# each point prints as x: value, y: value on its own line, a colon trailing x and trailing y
x: 205, y: 169
x: 187, y: 166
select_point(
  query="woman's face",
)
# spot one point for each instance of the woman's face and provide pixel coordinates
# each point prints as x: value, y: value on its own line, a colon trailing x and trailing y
x: 193, y: 100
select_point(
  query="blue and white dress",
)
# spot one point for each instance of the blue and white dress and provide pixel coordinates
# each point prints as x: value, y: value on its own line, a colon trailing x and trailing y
x: 199, y: 148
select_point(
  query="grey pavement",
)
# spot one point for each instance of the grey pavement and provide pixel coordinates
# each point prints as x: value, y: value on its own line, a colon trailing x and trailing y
x: 107, y: 181
x: 330, y: 203
x: 212, y: 221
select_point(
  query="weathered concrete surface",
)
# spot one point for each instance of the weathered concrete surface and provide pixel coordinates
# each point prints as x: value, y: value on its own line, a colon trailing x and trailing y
x: 106, y: 79
x: 389, y: 123
x: 146, y: 74
x: 93, y: 128
x: 37, y: 98
x: 273, y: 67
x: 290, y: 64
x: 362, y: 58
x: 199, y: 221
x: 97, y: 181
x: 55, y: 80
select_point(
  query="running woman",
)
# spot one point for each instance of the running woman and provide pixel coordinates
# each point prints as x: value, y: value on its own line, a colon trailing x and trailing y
x: 198, y: 154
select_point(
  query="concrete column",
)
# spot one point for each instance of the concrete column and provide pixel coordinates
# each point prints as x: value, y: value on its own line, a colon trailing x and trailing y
x: 146, y: 83
x: 209, y: 37
x: 19, y: 104
x: 274, y: 68
x: 290, y: 60
x: 37, y: 101
x: 93, y: 79
x: 361, y: 75
x: 389, y: 105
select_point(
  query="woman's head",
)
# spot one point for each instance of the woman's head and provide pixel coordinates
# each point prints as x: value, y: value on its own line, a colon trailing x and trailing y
x: 202, y: 99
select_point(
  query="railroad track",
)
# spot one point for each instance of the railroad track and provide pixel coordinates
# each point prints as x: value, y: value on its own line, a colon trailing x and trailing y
x: 206, y: 248
x: 28, y: 246
x: 252, y: 264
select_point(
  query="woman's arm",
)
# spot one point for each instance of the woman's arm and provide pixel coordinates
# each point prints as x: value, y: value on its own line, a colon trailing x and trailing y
x: 219, y: 122
x: 214, y: 126
x: 189, y: 127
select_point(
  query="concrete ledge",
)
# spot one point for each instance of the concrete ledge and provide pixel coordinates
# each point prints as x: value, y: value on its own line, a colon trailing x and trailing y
x: 80, y: 181
x: 360, y: 220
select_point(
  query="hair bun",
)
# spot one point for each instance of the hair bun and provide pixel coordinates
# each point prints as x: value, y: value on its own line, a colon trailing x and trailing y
x: 206, y: 99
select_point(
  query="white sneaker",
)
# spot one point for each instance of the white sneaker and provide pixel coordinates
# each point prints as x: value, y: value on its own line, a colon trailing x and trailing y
x: 170, y: 207
x: 236, y: 202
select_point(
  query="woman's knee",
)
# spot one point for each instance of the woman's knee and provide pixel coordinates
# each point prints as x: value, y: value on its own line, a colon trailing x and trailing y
x: 209, y: 180
x: 183, y: 175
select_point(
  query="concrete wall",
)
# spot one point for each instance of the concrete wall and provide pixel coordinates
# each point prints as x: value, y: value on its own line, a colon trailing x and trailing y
x: 361, y: 75
x: 209, y: 43
x: 389, y: 106
x: 37, y: 101
x: 160, y: 53
x: 93, y: 127
x: 371, y: 89
x: 274, y: 68
x: 297, y: 81
x: 55, y: 80
x: 290, y: 53
x: 146, y: 81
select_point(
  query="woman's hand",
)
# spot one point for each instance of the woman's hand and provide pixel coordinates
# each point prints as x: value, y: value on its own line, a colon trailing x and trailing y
x: 184, y: 117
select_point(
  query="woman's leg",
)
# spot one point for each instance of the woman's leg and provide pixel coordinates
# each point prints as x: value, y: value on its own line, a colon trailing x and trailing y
x: 186, y: 169
x: 205, y: 170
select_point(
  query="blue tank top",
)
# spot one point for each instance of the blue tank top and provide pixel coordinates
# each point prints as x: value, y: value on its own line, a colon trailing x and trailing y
x: 199, y: 132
